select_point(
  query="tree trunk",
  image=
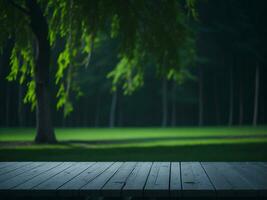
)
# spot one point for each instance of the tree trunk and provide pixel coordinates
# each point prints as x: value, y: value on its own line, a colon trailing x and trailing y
x: 164, y: 103
x: 120, y: 121
x: 85, y: 112
x: 97, y: 117
x: 216, y: 100
x: 7, y: 104
x: 113, y: 106
x: 256, y: 96
x: 97, y: 112
x: 241, y: 108
x: 63, y: 121
x: 39, y: 26
x: 20, y: 107
x: 231, y: 100
x: 200, y: 101
x: 174, y: 104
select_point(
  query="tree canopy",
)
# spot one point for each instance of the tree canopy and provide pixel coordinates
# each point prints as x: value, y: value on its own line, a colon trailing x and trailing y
x: 155, y: 32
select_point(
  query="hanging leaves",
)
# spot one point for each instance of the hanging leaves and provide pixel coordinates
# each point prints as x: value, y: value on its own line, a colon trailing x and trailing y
x: 145, y: 30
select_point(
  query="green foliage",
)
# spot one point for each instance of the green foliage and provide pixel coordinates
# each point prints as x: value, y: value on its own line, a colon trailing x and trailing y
x: 14, y: 63
x: 128, y: 73
x: 78, y: 43
x: 30, y: 96
x: 22, y: 67
x: 63, y: 62
x: 191, y: 5
x: 147, y: 31
x: 14, y: 23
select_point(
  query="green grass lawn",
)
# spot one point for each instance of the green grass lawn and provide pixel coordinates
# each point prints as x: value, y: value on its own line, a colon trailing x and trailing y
x: 138, y: 144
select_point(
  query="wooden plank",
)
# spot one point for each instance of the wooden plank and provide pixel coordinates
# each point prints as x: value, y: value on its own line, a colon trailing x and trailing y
x: 255, y: 174
x: 158, y: 180
x: 259, y: 166
x: 175, y: 180
x: 17, y: 180
x: 227, y: 181
x: 221, y: 183
x: 12, y: 166
x: 50, y: 186
x: 195, y: 181
x: 18, y: 171
x: 136, y: 181
x: 264, y: 164
x: 72, y: 187
x: 30, y: 184
x: 94, y: 186
x: 5, y: 164
x: 114, y: 186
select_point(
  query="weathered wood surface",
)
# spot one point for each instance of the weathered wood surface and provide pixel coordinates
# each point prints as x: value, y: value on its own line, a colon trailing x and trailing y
x: 135, y: 179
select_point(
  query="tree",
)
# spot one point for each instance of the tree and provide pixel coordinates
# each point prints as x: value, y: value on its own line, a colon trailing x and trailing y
x: 231, y: 99
x: 201, y: 101
x: 39, y: 28
x: 113, y: 108
x: 256, y: 96
x: 138, y: 25
x: 164, y: 102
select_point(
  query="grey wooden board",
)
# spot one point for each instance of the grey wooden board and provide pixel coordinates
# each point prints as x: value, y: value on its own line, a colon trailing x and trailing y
x: 94, y: 186
x: 72, y: 187
x: 158, y: 180
x: 18, y: 171
x: 136, y: 181
x: 255, y: 174
x: 175, y: 180
x: 34, y: 182
x: 21, y: 178
x: 12, y: 167
x: 195, y: 181
x: 114, y: 185
x: 50, y: 186
x: 66, y: 175
x: 263, y: 164
x: 6, y: 164
x: 227, y: 181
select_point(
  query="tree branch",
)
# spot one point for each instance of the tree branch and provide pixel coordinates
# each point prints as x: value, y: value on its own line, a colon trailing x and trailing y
x: 25, y: 11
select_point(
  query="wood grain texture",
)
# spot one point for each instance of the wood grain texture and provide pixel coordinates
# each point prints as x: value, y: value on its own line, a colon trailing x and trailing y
x: 115, y: 184
x: 255, y: 174
x: 21, y: 178
x: 195, y: 181
x: 158, y: 180
x: 20, y: 169
x: 50, y: 186
x: 175, y: 180
x: 94, y: 187
x: 228, y: 181
x: 135, y: 179
x: 72, y: 187
x: 8, y: 167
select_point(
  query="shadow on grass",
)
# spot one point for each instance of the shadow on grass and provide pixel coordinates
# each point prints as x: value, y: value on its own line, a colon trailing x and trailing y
x: 214, y: 152
x: 161, y: 139
x: 137, y: 140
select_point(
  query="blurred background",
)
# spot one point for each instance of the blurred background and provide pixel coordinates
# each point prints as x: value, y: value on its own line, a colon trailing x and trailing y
x: 225, y: 86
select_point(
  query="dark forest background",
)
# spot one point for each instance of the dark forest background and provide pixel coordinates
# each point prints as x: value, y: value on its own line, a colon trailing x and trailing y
x: 227, y: 85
